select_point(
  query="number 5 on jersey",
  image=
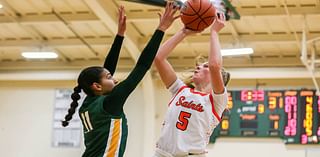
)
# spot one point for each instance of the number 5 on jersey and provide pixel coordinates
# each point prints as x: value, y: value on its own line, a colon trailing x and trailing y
x: 183, y: 120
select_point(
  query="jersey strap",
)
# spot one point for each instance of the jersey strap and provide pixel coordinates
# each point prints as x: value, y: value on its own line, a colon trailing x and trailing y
x: 213, y: 109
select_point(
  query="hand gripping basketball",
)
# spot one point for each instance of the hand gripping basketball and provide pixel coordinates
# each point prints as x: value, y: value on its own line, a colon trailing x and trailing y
x: 197, y: 14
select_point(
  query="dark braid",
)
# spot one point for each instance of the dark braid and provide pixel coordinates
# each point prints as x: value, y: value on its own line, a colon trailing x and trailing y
x: 74, y: 104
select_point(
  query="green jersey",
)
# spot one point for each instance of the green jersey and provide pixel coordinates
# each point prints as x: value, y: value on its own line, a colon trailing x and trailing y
x: 104, y: 134
x: 104, y: 122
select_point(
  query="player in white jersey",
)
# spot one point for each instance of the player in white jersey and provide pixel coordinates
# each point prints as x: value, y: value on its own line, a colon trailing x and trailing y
x: 192, y: 113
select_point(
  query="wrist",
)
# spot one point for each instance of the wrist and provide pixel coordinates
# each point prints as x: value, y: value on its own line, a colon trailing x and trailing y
x: 183, y: 34
x: 120, y: 34
x: 162, y: 28
x: 159, y: 30
x: 214, y: 33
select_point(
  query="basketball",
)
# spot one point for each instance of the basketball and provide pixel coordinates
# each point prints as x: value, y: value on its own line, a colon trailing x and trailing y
x: 197, y: 14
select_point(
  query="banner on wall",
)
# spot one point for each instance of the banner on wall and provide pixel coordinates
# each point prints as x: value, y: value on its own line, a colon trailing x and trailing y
x: 69, y: 136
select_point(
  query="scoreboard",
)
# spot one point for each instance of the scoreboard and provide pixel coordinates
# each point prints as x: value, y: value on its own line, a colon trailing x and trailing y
x: 293, y: 115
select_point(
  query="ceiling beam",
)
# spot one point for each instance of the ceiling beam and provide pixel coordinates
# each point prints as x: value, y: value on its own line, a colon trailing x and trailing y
x: 236, y: 74
x: 50, y: 19
x: 46, y: 75
x: 278, y: 11
x: 126, y: 64
x: 74, y: 42
x: 136, y: 16
x: 243, y: 38
x: 181, y: 64
x: 145, y: 16
x: 270, y: 73
x: 103, y: 41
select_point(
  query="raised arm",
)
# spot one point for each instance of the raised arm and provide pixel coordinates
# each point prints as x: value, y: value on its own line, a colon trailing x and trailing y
x: 111, y: 60
x: 114, y: 103
x: 215, y: 58
x: 166, y: 71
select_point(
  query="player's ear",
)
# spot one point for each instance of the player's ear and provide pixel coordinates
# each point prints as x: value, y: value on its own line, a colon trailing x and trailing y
x: 96, y: 86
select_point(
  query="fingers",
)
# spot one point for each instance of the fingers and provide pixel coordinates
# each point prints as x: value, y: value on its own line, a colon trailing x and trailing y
x: 121, y: 13
x: 167, y: 18
x: 167, y: 7
x: 121, y: 21
x: 124, y: 19
x: 171, y: 10
x: 221, y: 16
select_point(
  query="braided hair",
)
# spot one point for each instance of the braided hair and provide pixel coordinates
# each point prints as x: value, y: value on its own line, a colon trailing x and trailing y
x: 86, y: 78
x: 74, y: 104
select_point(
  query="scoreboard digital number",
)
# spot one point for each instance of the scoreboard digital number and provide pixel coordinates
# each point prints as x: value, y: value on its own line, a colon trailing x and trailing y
x: 291, y: 115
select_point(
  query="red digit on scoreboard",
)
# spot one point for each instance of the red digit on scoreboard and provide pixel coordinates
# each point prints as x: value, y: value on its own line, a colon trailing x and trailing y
x: 304, y: 139
x: 291, y: 111
x: 260, y: 95
x: 254, y: 95
x: 244, y: 95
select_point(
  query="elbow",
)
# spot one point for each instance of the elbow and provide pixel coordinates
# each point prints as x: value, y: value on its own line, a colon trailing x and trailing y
x: 158, y: 59
x: 214, y: 66
x: 160, y: 56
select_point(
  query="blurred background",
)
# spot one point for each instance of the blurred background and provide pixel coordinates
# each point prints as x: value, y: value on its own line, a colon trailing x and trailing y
x: 282, y: 41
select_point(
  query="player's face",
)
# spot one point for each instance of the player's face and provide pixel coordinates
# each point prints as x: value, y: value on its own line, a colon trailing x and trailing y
x: 107, y: 81
x: 201, y: 74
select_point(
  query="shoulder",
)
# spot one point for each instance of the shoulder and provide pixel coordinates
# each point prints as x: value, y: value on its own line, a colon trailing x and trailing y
x: 177, y: 86
x: 94, y: 101
x: 219, y: 102
x: 223, y: 95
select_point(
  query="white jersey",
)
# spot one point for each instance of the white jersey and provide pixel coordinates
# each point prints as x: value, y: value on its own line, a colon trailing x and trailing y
x: 190, y: 120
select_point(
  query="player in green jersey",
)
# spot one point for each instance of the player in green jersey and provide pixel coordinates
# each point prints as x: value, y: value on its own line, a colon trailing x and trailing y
x: 104, y: 122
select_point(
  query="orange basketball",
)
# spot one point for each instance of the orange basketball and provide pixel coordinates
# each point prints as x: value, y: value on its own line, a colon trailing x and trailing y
x: 197, y: 14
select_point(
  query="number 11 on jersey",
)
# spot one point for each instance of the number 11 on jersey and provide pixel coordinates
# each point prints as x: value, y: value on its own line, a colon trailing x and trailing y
x: 86, y: 121
x: 183, y: 120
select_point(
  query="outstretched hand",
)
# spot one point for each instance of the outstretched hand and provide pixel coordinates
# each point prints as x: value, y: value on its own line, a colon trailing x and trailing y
x: 218, y: 23
x: 121, y: 21
x: 168, y: 16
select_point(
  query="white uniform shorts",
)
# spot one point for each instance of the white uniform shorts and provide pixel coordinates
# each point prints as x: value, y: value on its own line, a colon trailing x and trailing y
x: 161, y: 153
